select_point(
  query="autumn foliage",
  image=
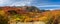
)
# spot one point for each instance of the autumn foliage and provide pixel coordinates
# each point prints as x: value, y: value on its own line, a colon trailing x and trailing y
x: 29, y: 14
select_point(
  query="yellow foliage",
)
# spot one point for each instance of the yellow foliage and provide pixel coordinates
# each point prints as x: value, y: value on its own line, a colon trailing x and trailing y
x: 2, y: 12
x: 17, y: 18
x: 43, y: 18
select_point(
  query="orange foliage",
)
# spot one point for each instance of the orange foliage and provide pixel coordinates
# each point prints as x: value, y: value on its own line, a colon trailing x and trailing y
x: 23, y: 11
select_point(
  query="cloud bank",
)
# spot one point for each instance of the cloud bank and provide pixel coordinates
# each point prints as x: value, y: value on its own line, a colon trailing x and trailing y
x: 22, y: 3
x: 42, y: 4
x: 15, y: 2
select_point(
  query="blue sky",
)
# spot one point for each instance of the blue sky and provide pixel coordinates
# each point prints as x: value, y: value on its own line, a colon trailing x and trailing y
x: 41, y: 4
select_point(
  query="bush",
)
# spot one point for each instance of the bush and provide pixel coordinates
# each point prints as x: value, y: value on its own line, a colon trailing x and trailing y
x: 3, y: 20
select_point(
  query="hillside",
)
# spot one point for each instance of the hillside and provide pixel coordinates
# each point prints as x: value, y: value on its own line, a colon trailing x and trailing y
x: 29, y: 14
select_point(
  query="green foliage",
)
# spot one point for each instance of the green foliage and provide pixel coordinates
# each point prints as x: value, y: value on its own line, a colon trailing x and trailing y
x: 19, y: 16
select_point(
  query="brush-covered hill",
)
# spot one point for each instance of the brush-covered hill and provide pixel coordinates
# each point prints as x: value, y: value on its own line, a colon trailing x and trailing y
x: 22, y: 9
x: 28, y: 13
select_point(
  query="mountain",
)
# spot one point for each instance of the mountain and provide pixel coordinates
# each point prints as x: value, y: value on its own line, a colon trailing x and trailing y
x: 22, y: 9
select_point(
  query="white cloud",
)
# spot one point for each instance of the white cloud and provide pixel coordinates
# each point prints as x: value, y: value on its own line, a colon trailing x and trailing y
x: 18, y: 4
x: 50, y: 9
x: 49, y: 6
x: 15, y: 2
x: 22, y: 3
x: 4, y: 1
x: 53, y: 9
